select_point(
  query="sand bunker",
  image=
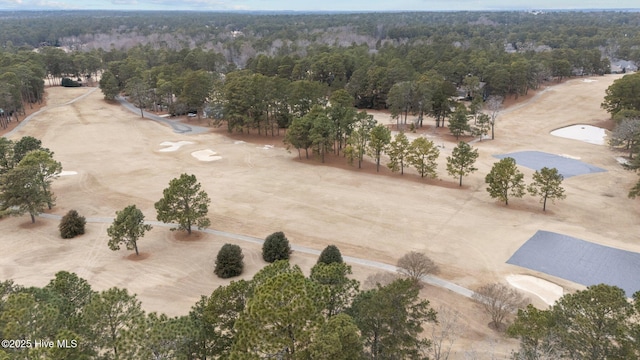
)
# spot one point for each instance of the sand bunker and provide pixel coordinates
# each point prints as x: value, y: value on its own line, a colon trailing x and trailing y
x: 206, y: 155
x: 266, y: 147
x: 622, y: 161
x: 587, y: 133
x: 67, y: 173
x: 570, y: 156
x: 173, y: 146
x: 545, y: 290
x: 589, y: 80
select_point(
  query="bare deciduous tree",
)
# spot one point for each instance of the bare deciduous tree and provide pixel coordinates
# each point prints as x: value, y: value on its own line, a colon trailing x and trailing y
x: 445, y: 332
x: 415, y: 265
x: 548, y: 349
x: 627, y: 134
x: 498, y: 301
x: 382, y: 278
x: 494, y: 105
x: 487, y: 351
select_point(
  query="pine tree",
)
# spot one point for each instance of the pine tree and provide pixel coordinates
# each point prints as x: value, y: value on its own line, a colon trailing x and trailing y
x: 398, y: 151
x: 422, y: 156
x: 21, y: 192
x: 461, y: 161
x: 379, y: 139
x: 127, y: 228
x: 330, y: 254
x: 547, y: 184
x: 184, y: 202
x: 505, y: 180
x: 459, y: 122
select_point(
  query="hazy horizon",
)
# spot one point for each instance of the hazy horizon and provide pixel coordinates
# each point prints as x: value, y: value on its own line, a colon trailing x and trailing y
x: 324, y: 6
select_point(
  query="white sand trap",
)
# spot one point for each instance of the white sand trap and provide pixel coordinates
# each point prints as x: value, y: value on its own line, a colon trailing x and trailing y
x: 206, y: 155
x: 586, y: 133
x: 622, y: 161
x: 238, y: 142
x: 570, y: 156
x: 173, y: 146
x: 589, y: 80
x: 67, y: 173
x: 266, y: 147
x: 545, y: 290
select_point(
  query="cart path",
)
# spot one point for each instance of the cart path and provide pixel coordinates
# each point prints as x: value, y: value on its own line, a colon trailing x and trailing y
x: 429, y: 279
x: 178, y: 127
x: 191, y: 129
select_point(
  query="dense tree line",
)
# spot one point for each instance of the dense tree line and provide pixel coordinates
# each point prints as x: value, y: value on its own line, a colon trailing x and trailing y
x: 596, y: 323
x: 413, y: 63
x: 615, y: 31
x: 279, y: 313
x: 436, y: 50
x: 22, y: 84
x: 623, y: 103
x: 282, y: 313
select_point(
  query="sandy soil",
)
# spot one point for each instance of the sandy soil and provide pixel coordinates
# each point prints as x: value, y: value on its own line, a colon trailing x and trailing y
x: 257, y: 187
x: 545, y: 290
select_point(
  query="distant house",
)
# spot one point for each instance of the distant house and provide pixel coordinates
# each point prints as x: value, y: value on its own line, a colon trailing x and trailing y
x: 463, y: 94
x: 509, y: 48
x: 623, y: 66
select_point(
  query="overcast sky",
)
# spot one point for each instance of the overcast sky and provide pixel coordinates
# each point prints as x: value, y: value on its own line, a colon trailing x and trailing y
x: 321, y: 5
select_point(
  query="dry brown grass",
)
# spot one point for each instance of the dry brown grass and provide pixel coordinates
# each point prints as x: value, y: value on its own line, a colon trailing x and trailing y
x: 256, y: 192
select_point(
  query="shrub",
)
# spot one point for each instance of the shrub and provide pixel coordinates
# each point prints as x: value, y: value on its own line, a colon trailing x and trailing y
x: 72, y: 225
x: 330, y: 254
x: 276, y: 247
x: 229, y: 262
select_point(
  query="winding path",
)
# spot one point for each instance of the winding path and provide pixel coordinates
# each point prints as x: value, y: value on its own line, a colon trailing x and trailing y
x: 429, y: 279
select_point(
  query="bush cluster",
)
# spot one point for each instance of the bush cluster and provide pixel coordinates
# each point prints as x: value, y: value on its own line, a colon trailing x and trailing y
x: 72, y: 225
x: 229, y: 262
x: 276, y: 247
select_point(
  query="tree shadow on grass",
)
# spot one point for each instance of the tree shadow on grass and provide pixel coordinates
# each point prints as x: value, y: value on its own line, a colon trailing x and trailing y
x: 134, y: 257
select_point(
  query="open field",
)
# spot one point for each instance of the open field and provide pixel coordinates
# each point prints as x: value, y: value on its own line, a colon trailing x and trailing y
x: 258, y: 189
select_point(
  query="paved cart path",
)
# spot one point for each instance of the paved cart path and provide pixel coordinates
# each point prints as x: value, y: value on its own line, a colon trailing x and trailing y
x: 178, y: 127
x: 432, y: 280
